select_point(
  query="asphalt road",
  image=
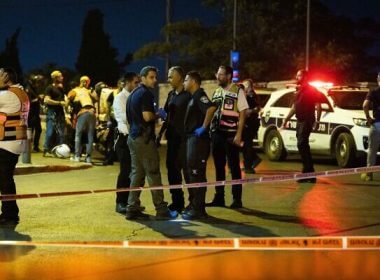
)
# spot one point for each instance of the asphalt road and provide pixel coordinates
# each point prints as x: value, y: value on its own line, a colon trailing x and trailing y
x: 336, y: 206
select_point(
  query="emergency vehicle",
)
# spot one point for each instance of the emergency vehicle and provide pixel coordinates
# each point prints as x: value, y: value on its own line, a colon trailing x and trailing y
x: 342, y: 133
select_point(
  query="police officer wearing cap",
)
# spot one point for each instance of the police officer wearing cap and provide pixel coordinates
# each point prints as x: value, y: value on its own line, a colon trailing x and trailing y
x: 198, y: 116
x: 175, y: 107
x: 14, y: 108
x: 226, y: 134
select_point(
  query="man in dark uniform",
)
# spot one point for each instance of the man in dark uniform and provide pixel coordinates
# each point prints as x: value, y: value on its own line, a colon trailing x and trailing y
x: 144, y: 154
x: 373, y: 98
x: 175, y: 107
x: 198, y: 116
x: 307, y: 99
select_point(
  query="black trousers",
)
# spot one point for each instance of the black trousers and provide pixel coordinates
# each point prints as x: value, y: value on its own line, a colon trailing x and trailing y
x: 224, y: 151
x: 110, y: 153
x: 304, y: 128
x: 197, y: 153
x: 249, y: 154
x: 8, y: 163
x: 124, y: 156
x: 176, y: 164
x: 34, y: 122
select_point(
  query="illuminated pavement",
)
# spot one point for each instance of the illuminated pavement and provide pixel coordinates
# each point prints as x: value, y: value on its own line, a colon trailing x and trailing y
x: 339, y: 206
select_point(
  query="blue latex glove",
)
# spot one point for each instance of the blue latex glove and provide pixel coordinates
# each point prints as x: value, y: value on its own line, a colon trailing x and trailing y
x: 200, y: 131
x: 162, y: 113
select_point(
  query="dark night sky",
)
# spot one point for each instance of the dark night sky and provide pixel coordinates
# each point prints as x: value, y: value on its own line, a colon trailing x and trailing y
x: 51, y: 29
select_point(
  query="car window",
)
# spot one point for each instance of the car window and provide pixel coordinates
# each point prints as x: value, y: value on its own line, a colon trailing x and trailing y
x: 262, y: 99
x: 349, y: 100
x: 285, y: 100
x: 325, y: 104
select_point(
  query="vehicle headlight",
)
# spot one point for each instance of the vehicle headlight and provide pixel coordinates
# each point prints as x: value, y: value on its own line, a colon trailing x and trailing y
x: 360, y: 122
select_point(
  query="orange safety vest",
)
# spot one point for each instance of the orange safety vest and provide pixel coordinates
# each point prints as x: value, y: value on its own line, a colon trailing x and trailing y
x: 13, y: 126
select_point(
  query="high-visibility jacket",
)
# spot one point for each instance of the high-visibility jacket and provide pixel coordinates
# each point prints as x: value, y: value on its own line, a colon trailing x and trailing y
x: 226, y: 117
x: 104, y: 107
x: 13, y: 126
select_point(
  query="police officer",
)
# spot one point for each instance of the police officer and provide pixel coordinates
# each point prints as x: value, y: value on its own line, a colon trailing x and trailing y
x: 175, y: 107
x: 307, y: 99
x: 226, y: 134
x: 373, y: 98
x: 14, y: 108
x: 198, y: 116
x: 145, y: 160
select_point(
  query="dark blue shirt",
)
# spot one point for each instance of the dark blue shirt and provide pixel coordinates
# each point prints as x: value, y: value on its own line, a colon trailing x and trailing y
x: 140, y: 100
x: 305, y: 100
x: 374, y: 97
x: 175, y: 106
x: 196, y: 111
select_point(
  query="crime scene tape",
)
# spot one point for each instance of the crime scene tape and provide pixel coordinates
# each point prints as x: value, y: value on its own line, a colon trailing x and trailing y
x: 263, y: 179
x: 258, y: 244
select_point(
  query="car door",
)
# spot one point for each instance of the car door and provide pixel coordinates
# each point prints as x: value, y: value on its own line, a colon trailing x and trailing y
x: 319, y: 139
x: 280, y: 110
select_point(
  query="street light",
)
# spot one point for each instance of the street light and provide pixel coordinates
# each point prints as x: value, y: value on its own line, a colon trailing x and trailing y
x: 234, y: 54
x: 307, y: 35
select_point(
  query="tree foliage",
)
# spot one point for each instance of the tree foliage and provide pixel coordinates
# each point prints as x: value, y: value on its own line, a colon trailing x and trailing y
x: 97, y: 58
x: 9, y: 57
x: 271, y: 38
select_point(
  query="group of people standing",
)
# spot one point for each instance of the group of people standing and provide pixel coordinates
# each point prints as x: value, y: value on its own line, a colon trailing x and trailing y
x: 194, y: 126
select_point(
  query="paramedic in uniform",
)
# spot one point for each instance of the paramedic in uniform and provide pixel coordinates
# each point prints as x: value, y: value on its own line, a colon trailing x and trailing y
x: 226, y: 134
x: 14, y: 108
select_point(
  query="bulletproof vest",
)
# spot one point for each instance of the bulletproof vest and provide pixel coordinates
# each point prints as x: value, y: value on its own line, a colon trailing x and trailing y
x: 13, y: 126
x: 226, y: 117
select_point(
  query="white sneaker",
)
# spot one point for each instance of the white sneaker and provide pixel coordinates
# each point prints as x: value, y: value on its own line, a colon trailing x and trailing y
x: 75, y: 158
x: 88, y: 159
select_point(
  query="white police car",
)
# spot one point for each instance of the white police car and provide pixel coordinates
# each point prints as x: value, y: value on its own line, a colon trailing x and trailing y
x: 342, y: 132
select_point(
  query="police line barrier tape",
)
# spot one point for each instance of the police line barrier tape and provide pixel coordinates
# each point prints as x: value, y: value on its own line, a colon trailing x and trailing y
x: 265, y: 179
x: 258, y: 244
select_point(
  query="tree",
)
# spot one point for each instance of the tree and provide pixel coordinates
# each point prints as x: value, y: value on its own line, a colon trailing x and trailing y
x: 192, y: 46
x: 97, y: 58
x: 271, y: 41
x: 10, y: 56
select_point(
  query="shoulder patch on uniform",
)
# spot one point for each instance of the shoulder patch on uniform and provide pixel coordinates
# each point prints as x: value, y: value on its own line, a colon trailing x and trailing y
x: 204, y: 99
